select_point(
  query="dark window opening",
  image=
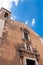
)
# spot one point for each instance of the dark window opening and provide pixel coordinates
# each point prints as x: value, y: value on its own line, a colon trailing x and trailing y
x: 30, y: 62
x: 26, y: 35
x: 6, y: 14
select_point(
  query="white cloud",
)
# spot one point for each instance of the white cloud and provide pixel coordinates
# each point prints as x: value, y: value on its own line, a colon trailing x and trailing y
x: 26, y: 22
x: 8, y: 3
x: 5, y: 3
x: 13, y: 17
x: 33, y: 22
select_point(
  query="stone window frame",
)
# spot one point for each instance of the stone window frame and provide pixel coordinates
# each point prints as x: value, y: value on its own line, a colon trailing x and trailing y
x: 24, y: 60
x: 24, y: 30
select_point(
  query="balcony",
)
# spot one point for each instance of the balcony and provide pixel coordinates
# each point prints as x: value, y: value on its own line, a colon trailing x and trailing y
x: 22, y: 49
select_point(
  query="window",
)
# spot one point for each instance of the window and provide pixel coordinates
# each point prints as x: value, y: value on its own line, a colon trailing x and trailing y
x: 26, y: 35
x: 30, y: 61
x: 6, y: 14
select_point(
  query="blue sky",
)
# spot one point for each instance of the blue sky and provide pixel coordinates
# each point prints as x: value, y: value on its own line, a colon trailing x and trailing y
x: 29, y: 12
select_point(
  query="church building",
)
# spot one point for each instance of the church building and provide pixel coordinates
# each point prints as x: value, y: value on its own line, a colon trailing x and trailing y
x: 19, y: 44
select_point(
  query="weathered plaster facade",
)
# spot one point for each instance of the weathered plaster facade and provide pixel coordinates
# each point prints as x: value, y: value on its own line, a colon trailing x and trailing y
x: 18, y: 42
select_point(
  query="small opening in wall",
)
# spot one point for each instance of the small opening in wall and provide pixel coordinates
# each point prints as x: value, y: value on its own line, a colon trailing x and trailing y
x: 6, y: 14
x: 26, y: 35
x: 30, y: 62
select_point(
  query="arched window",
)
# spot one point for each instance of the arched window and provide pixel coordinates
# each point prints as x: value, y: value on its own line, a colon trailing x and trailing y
x: 26, y: 34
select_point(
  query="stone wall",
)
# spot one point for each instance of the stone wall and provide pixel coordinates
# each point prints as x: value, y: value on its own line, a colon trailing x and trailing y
x: 11, y: 51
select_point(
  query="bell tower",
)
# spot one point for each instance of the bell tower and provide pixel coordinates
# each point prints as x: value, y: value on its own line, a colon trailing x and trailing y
x: 5, y: 16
